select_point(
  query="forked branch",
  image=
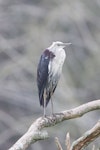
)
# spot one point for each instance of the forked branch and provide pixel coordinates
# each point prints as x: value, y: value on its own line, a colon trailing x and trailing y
x: 35, y: 132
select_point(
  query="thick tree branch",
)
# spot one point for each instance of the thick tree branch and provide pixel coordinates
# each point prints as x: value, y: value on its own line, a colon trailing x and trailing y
x: 87, y: 138
x: 34, y: 133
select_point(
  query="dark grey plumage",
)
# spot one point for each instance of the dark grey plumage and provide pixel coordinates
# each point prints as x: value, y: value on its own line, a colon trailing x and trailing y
x: 43, y: 81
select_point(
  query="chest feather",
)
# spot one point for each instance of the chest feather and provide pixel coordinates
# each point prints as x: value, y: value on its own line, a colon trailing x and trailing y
x: 55, y: 65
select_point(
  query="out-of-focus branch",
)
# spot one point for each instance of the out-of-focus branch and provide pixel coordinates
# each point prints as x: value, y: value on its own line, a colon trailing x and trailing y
x: 83, y: 141
x: 34, y: 133
x: 87, y: 138
x: 59, y: 147
x: 67, y: 141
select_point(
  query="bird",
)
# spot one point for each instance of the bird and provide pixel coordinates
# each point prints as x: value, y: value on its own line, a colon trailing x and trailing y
x: 49, y: 71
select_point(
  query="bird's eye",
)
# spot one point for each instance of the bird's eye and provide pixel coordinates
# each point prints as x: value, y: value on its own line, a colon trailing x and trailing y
x: 58, y: 44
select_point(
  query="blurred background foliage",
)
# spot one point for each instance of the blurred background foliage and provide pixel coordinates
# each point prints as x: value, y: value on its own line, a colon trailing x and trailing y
x: 27, y: 27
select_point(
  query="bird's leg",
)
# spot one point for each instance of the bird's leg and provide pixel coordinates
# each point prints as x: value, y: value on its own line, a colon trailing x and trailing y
x: 52, y: 106
x: 44, y: 107
x: 44, y: 113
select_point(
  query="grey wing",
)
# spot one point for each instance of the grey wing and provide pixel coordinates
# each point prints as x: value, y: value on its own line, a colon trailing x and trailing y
x: 42, y: 77
x: 51, y: 85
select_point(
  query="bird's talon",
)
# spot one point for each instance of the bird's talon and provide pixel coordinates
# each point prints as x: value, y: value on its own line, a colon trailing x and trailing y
x: 53, y: 115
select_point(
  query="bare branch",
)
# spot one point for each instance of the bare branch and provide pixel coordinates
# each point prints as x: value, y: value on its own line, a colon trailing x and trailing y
x: 28, y: 138
x: 58, y: 144
x: 87, y: 138
x: 93, y: 147
x: 67, y: 142
x: 34, y: 133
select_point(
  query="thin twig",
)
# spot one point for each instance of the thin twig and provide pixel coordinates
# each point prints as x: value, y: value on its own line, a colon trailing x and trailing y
x: 93, y: 148
x: 58, y: 144
x: 67, y: 142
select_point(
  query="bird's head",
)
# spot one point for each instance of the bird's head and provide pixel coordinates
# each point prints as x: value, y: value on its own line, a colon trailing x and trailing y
x: 58, y: 45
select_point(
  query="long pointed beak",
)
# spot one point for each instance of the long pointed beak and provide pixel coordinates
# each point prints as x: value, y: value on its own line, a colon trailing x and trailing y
x: 66, y: 44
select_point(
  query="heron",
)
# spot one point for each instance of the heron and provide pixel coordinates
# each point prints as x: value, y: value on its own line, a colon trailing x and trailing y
x: 49, y: 71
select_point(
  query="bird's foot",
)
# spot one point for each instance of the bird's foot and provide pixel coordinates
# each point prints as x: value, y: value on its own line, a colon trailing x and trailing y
x: 45, y: 116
